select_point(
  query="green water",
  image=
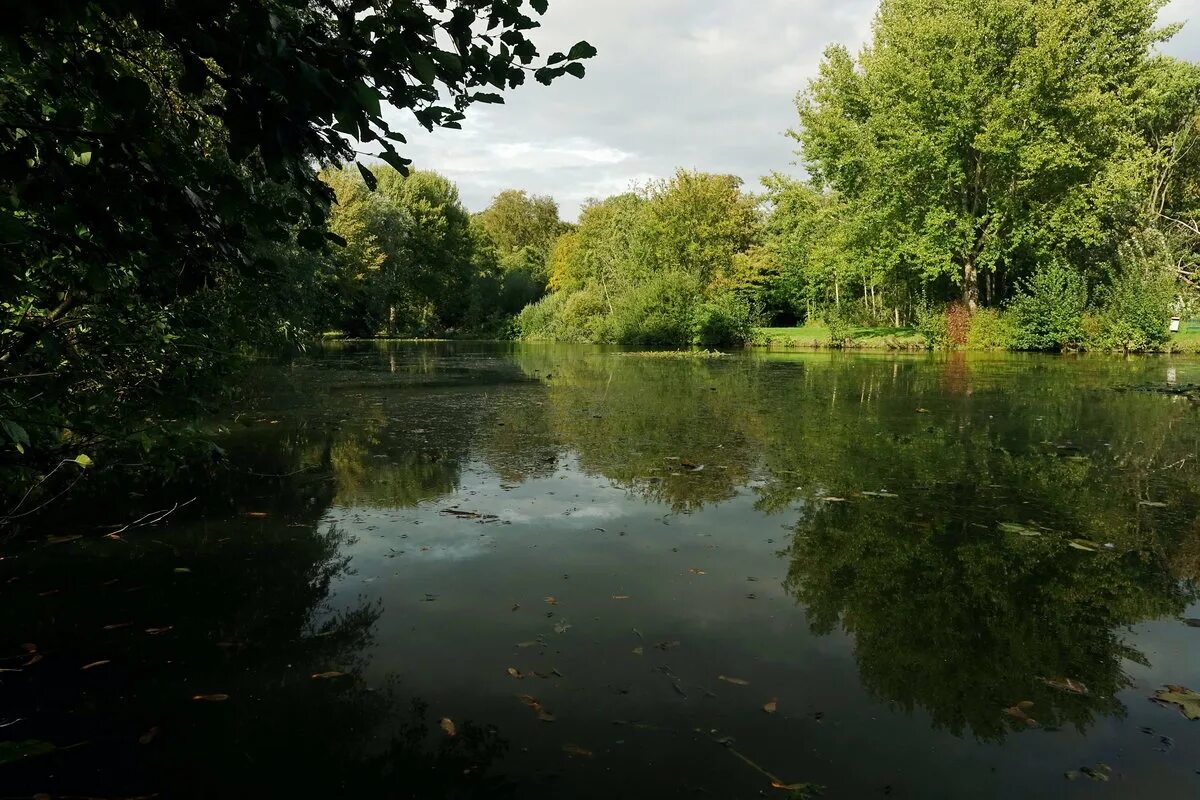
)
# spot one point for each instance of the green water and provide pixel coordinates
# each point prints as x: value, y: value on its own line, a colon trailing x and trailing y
x: 880, y: 545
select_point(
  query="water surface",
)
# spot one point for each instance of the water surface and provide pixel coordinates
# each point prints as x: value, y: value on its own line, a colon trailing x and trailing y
x: 948, y: 576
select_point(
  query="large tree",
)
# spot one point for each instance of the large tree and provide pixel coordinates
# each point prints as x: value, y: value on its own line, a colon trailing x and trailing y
x: 149, y: 149
x: 975, y: 139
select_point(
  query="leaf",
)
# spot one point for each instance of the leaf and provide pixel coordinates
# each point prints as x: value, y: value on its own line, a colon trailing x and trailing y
x: 620, y: 597
x: 576, y: 750
x: 734, y: 681
x: 539, y: 6
x: 1185, y: 699
x: 562, y: 626
x: 83, y: 461
x: 447, y: 725
x: 368, y: 177
x: 697, y: 571
x: 324, y: 676
x: 581, y: 50
x: 422, y: 67
x: 1085, y: 545
x: 772, y: 706
x: 95, y: 664
x: 664, y: 646
x: 68, y: 537
x: 149, y: 736
x: 160, y: 631
x: 1017, y: 528
x: 17, y: 751
x: 1192, y: 623
x: 211, y: 698
x: 551, y: 601
x: 1066, y: 685
x: 513, y: 672
x: 576, y: 69
x: 637, y: 651
x: 1152, y: 504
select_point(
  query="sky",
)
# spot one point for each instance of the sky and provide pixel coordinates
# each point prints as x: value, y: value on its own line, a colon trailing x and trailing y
x: 700, y: 84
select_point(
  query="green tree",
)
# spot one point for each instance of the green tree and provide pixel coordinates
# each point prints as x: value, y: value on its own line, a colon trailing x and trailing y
x: 975, y: 139
x: 523, y: 229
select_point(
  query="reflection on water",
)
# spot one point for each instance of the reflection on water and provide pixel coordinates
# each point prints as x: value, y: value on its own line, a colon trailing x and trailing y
x: 954, y: 577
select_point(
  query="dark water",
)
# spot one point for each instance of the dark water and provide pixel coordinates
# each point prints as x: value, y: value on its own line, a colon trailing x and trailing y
x: 880, y: 545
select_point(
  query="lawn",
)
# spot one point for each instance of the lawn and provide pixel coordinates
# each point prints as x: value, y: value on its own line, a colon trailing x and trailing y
x: 883, y: 338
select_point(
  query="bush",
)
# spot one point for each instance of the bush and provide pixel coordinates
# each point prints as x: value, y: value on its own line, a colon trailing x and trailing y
x: 992, y: 329
x: 657, y: 313
x: 1048, y: 309
x: 1135, y: 308
x: 934, y: 326
x: 839, y: 320
x: 726, y: 320
x: 537, y: 320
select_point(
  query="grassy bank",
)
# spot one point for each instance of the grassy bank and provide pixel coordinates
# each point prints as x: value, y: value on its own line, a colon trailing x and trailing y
x: 906, y: 338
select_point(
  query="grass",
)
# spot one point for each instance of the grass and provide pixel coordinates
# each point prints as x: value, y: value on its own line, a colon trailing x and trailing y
x: 882, y: 338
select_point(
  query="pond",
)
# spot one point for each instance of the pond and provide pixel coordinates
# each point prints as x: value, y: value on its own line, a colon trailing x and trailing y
x: 497, y: 570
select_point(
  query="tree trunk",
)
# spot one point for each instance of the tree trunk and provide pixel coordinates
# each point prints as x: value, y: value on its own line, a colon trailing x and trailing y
x: 391, y: 321
x: 971, y: 285
x: 897, y: 310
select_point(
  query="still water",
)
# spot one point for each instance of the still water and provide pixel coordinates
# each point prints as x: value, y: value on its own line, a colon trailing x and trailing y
x: 488, y: 571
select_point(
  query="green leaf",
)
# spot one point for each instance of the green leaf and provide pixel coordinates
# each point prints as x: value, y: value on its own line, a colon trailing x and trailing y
x: 1184, y: 698
x: 540, y: 6
x: 83, y: 461
x: 581, y: 50
x: 576, y: 69
x: 422, y: 67
x: 368, y: 97
x: 14, y: 432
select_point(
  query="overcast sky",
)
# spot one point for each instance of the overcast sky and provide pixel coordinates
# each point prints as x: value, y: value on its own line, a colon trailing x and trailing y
x: 703, y: 84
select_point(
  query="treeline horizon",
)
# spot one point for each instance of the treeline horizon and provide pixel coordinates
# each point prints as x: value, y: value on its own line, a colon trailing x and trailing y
x: 1028, y: 179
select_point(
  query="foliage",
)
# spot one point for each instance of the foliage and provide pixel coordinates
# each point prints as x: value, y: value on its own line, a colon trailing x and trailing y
x: 158, y: 199
x: 1048, y: 309
x: 1136, y: 306
x: 973, y: 140
x: 723, y: 320
x: 933, y: 325
x: 992, y: 329
x: 523, y: 230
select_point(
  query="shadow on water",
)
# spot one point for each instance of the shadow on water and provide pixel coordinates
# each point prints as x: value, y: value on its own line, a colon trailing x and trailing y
x: 982, y: 533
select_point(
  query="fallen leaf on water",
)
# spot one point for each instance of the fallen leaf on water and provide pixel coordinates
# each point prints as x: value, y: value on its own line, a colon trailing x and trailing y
x: 256, y: 514
x: 1018, y: 712
x: 1017, y: 528
x: 1186, y: 700
x: 1100, y: 772
x: 513, y: 672
x: 1152, y: 504
x: 95, y: 664
x: 576, y: 750
x: 528, y: 644
x: 734, y: 681
x: 1192, y: 623
x: 800, y: 791
x: 70, y: 537
x: 448, y: 726
x: 1084, y: 544
x: 637, y: 651
x: 117, y: 625
x: 551, y: 600
x: 160, y: 631
x: 149, y: 736
x: 696, y: 571
x: 1065, y: 685
x: 664, y: 646
x: 516, y: 606
x: 562, y: 626
x: 772, y: 706
x: 620, y: 597
x: 542, y: 713
x: 322, y: 676
x: 182, y: 570
x: 211, y: 698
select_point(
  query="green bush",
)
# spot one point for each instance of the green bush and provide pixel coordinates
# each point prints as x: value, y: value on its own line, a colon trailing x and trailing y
x: 1135, y: 307
x: 582, y: 317
x: 726, y: 320
x: 839, y: 320
x: 934, y: 326
x: 1048, y: 309
x: 992, y: 329
x: 657, y: 313
x: 537, y: 320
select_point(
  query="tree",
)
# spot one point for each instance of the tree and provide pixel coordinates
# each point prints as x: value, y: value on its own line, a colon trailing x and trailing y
x: 523, y: 229
x: 974, y: 139
x: 149, y: 148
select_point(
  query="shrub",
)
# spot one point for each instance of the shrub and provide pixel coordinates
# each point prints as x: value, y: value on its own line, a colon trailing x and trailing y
x: 1135, y: 308
x: 725, y: 320
x: 958, y: 323
x: 656, y: 313
x: 934, y: 326
x: 1048, y: 309
x: 536, y: 320
x: 992, y: 329
x: 838, y: 319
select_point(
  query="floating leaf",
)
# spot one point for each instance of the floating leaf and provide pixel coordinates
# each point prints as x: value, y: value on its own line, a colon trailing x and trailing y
x: 1066, y: 685
x: 211, y: 698
x: 149, y: 736
x: 697, y: 571
x: 576, y: 750
x: 637, y: 651
x: 69, y: 537
x: 1187, y: 701
x: 1085, y: 545
x: 17, y: 751
x: 734, y: 681
x: 324, y: 676
x: 160, y: 631
x: 448, y: 726
x: 1152, y: 504
x: 513, y: 672
x: 256, y: 514
x: 1101, y: 773
x: 551, y: 600
x: 664, y: 646
x: 95, y: 664
x: 528, y: 644
x: 562, y: 626
x: 1018, y: 712
x: 772, y: 706
x: 620, y: 597
x: 1019, y: 529
x: 1192, y: 623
